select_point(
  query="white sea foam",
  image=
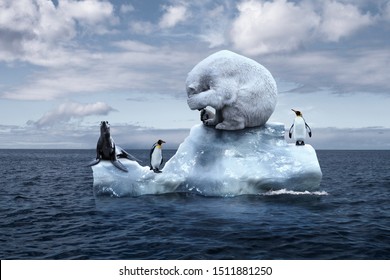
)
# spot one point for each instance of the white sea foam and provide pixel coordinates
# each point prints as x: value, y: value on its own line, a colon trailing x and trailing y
x: 290, y: 192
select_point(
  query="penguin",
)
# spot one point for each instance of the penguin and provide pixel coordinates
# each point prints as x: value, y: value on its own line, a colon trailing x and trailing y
x: 156, y: 158
x: 299, y: 128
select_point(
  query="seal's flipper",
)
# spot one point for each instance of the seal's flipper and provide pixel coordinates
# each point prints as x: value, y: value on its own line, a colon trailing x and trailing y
x: 119, y: 165
x: 94, y: 162
x: 120, y: 153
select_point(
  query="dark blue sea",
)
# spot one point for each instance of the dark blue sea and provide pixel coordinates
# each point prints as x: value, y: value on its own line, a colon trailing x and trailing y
x: 48, y: 211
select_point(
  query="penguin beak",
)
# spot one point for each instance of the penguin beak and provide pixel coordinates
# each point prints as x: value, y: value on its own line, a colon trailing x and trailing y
x: 296, y: 112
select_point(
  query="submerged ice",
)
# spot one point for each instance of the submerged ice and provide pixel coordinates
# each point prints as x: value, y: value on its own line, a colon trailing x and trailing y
x: 214, y: 162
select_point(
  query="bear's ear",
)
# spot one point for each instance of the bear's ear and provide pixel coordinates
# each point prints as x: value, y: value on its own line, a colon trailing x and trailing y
x: 192, y: 86
x: 191, y: 89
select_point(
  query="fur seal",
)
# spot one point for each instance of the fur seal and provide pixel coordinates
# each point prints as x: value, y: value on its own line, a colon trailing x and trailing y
x: 107, y: 150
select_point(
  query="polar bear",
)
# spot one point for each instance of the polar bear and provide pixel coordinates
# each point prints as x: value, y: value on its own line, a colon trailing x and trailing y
x: 242, y: 91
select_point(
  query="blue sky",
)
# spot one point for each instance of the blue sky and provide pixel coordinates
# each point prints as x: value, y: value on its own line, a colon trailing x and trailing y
x: 66, y: 65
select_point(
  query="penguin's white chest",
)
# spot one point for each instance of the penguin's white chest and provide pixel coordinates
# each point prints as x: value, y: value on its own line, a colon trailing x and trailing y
x: 156, y: 157
x: 299, y: 129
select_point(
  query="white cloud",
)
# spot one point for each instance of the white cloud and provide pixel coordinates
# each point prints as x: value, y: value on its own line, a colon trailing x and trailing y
x: 173, y: 15
x: 27, y: 26
x: 267, y: 27
x: 264, y: 27
x: 39, y: 28
x: 71, y: 110
x: 215, y: 23
x: 341, y: 20
x: 126, y: 8
x: 299, y: 41
x: 142, y: 27
x: 88, y: 12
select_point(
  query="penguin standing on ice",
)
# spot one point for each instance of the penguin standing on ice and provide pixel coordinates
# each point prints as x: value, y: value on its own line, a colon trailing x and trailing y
x: 156, y: 158
x: 299, y: 128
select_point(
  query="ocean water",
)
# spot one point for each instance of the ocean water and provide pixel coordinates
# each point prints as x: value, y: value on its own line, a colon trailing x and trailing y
x: 48, y: 211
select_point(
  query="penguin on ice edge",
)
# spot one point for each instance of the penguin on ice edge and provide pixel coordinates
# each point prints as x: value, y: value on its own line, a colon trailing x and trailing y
x: 299, y: 128
x: 156, y: 158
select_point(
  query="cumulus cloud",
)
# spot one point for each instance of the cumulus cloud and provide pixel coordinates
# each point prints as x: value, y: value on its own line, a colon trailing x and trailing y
x: 38, y: 28
x: 267, y: 27
x: 71, y: 110
x: 214, y: 24
x: 95, y: 15
x: 173, y: 15
x: 45, y: 34
x: 264, y: 27
x: 340, y: 20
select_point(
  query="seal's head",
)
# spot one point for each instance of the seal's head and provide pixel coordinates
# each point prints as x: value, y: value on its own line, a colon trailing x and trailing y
x: 105, y: 128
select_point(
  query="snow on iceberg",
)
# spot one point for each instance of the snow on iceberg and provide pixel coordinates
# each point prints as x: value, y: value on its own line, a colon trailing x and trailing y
x: 214, y: 162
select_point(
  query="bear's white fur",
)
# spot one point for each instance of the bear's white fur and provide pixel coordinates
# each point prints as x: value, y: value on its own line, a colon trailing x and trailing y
x: 242, y: 91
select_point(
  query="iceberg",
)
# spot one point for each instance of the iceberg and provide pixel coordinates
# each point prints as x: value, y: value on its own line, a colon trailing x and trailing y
x: 234, y: 152
x: 213, y: 162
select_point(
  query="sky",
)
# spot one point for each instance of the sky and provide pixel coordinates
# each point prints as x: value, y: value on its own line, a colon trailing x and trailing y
x: 66, y: 65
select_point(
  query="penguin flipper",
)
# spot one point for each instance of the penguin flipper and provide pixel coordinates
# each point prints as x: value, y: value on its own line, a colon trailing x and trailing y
x: 308, y: 129
x: 150, y: 156
x: 119, y: 165
x: 94, y: 162
x: 290, y: 131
